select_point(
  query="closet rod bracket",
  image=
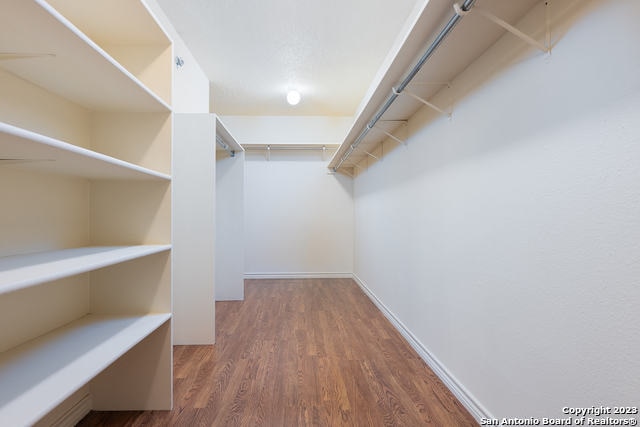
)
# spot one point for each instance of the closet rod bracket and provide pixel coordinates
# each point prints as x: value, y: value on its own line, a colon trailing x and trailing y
x: 424, y: 101
x: 225, y: 146
x: 390, y: 135
x: 504, y: 24
x: 371, y: 155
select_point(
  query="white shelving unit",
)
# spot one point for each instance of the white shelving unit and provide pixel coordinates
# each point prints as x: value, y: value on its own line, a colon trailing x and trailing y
x: 47, y: 370
x: 86, y: 184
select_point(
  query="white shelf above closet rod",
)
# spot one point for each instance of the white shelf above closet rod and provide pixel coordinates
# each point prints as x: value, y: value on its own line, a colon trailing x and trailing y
x: 267, y: 148
x: 396, y: 91
x: 225, y: 140
x: 291, y: 147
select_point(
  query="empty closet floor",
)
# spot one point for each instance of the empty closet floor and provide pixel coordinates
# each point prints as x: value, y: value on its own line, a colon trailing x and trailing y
x: 313, y: 352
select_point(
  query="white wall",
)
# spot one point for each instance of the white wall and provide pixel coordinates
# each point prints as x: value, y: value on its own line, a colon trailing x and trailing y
x: 298, y: 218
x: 507, y: 240
x: 229, y: 227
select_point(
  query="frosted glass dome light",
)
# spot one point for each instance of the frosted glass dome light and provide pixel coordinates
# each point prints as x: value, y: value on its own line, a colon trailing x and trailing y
x: 293, y: 97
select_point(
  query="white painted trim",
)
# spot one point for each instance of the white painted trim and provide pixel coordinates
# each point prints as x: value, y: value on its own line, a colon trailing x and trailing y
x: 71, y: 417
x: 477, y: 410
x: 298, y: 275
x: 76, y: 413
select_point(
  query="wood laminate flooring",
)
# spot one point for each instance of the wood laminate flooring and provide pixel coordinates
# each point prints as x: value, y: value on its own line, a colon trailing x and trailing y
x: 312, y: 352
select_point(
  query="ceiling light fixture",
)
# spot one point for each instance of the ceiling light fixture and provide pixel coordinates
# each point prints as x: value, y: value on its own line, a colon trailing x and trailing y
x: 293, y: 97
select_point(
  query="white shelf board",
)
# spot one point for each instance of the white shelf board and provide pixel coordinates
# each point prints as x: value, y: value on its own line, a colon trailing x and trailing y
x: 21, y: 271
x: 291, y: 147
x: 471, y: 37
x: 34, y: 151
x: 223, y: 132
x: 113, y: 21
x: 39, y: 375
x: 67, y: 62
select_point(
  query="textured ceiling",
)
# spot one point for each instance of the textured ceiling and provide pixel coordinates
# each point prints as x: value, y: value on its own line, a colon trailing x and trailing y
x: 253, y: 51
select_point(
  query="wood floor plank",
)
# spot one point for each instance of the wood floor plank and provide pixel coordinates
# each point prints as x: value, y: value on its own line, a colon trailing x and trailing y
x: 303, y: 352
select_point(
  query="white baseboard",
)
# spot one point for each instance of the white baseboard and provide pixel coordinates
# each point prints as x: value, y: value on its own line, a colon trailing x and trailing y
x: 298, y: 275
x: 464, y: 396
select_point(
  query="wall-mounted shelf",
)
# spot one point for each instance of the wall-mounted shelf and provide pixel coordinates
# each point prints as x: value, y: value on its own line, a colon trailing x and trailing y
x: 385, y: 110
x: 267, y: 149
x: 291, y: 147
x: 28, y: 149
x: 45, y: 371
x: 70, y: 64
x: 224, y: 140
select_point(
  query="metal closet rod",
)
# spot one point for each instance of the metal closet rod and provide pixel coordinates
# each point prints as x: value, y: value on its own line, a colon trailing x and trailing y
x: 291, y: 147
x: 225, y: 146
x: 466, y: 6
